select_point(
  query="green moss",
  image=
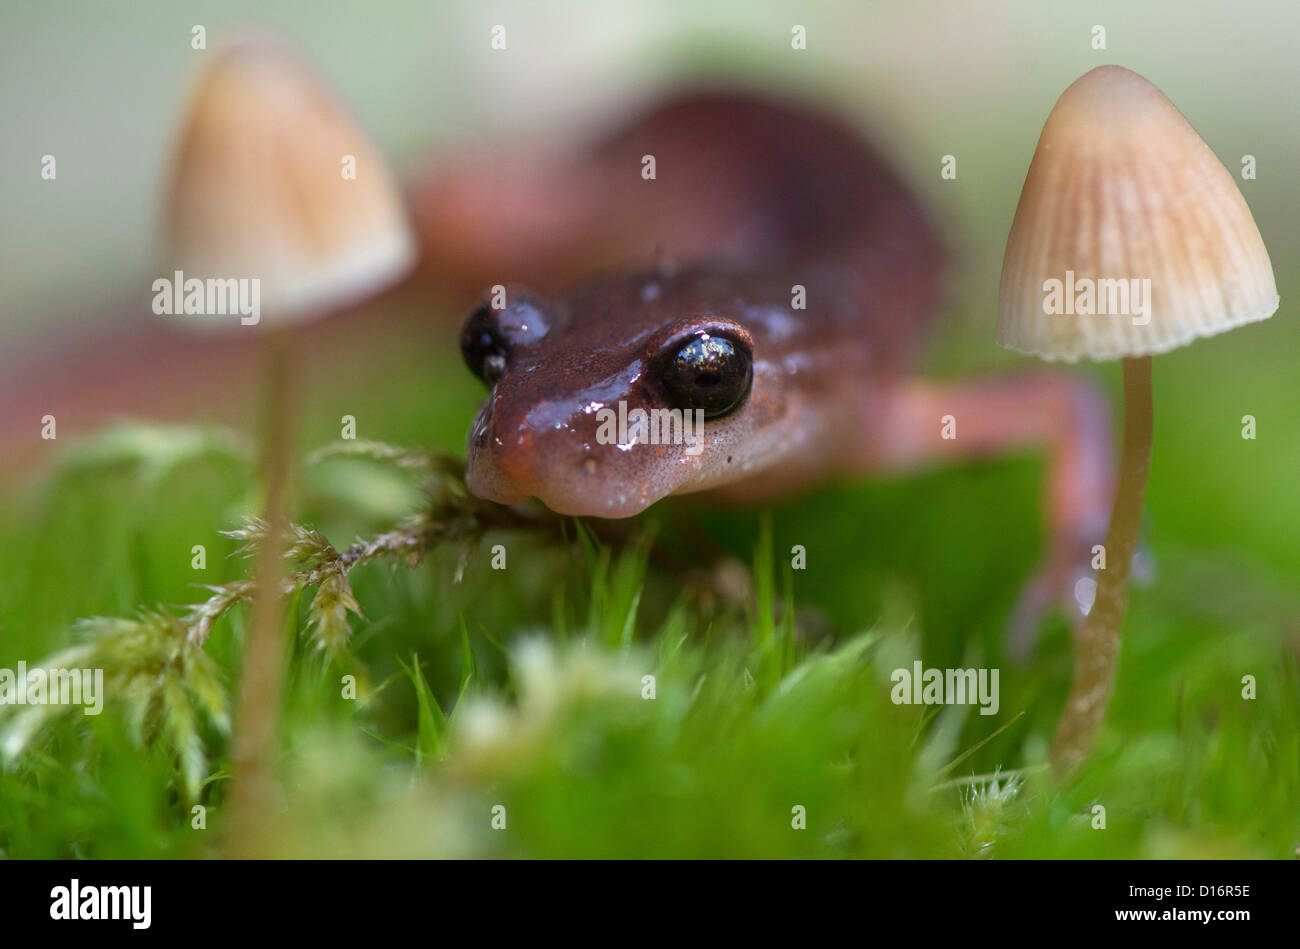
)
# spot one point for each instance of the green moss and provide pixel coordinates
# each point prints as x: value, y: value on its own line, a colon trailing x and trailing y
x: 523, y: 687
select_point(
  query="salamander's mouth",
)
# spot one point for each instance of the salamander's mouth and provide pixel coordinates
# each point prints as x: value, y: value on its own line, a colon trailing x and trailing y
x: 486, y: 480
x: 486, y: 484
x: 576, y: 474
x: 561, y: 475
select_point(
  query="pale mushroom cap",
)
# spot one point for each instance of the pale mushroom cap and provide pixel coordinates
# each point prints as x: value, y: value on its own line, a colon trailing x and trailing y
x: 1121, y: 188
x: 258, y: 191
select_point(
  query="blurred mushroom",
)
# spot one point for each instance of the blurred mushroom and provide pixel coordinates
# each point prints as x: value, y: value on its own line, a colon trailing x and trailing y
x: 259, y: 193
x: 1130, y: 239
x: 258, y: 189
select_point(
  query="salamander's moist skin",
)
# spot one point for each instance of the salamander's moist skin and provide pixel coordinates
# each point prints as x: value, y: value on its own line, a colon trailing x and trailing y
x: 699, y: 339
x: 801, y: 281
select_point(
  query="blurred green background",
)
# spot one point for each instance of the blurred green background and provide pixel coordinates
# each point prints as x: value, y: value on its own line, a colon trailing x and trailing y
x: 97, y: 524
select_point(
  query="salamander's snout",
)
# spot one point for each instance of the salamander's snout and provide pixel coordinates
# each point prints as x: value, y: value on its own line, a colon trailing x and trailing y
x: 550, y: 450
x: 542, y: 433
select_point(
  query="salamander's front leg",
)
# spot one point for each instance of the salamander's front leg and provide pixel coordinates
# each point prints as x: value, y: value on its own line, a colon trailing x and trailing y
x: 1056, y: 412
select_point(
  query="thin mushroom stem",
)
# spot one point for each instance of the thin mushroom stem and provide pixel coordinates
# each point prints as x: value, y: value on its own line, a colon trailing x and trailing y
x: 257, y: 714
x: 1096, y: 642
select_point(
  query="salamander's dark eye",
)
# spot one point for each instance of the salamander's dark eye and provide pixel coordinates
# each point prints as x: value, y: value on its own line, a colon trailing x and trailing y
x: 482, y: 345
x: 712, y: 373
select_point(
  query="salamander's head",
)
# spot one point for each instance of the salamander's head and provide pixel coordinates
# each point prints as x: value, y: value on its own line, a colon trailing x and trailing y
x: 630, y: 391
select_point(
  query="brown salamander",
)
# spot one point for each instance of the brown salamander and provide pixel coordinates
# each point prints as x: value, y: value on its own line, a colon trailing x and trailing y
x: 772, y: 274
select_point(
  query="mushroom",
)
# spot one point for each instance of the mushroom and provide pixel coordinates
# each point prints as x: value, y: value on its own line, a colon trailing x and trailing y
x: 259, y: 190
x: 1130, y: 239
x: 259, y: 193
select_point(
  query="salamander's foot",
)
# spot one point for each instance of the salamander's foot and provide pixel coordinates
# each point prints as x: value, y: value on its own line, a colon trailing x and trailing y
x: 1067, y: 582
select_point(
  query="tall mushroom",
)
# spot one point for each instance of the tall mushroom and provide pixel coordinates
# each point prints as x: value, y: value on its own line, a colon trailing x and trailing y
x: 1130, y: 239
x: 274, y: 182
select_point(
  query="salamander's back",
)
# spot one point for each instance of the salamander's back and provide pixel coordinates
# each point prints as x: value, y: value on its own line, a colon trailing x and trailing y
x: 733, y: 178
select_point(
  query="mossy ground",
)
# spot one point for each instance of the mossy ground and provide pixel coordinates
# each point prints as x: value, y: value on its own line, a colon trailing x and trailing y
x: 523, y: 687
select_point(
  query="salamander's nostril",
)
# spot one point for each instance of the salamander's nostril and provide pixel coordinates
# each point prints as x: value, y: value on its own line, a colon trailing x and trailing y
x: 589, y: 466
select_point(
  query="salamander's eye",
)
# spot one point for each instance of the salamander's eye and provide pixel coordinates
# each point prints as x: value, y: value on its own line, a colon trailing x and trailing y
x: 483, y: 346
x: 709, y: 372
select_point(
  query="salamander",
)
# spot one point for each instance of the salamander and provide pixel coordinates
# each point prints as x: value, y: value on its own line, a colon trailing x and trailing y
x: 744, y: 260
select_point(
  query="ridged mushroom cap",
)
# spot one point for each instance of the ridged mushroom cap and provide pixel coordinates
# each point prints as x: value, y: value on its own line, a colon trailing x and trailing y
x: 1122, y: 188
